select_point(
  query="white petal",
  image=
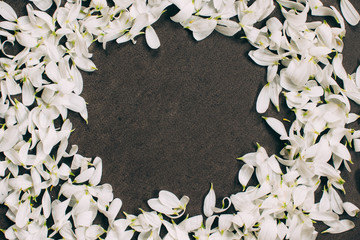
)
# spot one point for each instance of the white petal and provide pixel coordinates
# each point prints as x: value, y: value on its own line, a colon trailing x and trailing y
x: 357, y: 144
x: 46, y: 204
x: 28, y: 93
x: 192, y: 223
x: 85, y: 219
x: 7, y: 12
x: 277, y: 126
x: 96, y: 177
x: 324, y: 204
x: 335, y: 201
x: 9, y: 139
x: 78, y: 80
x: 349, y: 12
x: 341, y: 151
x: 184, y: 13
x: 84, y: 64
x: 114, y: 209
x: 64, y: 171
x: 245, y: 174
x: 43, y: 5
x: 263, y: 99
x: 84, y: 176
x: 140, y: 22
x: 340, y: 226
x: 324, y: 216
x: 22, y: 214
x: 268, y: 229
x: 151, y: 37
x: 26, y: 40
x: 227, y: 27
x: 36, y: 179
x: 156, y: 205
x: 274, y: 164
x: 339, y: 69
x: 350, y: 209
x: 169, y: 199
x: 209, y: 202
x: 264, y: 57
x: 4, y: 189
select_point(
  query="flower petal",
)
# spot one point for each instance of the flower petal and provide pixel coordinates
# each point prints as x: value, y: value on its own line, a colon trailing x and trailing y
x: 151, y: 37
x: 209, y: 202
x: 7, y: 12
x: 245, y: 174
x: 350, y: 14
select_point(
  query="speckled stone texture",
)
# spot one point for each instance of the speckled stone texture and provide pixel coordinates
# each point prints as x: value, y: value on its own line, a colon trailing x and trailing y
x: 177, y: 118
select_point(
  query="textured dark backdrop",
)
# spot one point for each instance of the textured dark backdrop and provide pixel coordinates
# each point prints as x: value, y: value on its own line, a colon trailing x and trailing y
x: 176, y: 118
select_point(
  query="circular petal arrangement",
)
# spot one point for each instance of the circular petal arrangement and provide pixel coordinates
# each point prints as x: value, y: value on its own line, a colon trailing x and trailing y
x: 42, y: 82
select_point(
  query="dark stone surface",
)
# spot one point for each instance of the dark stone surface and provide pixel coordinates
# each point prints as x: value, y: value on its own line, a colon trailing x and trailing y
x: 176, y: 118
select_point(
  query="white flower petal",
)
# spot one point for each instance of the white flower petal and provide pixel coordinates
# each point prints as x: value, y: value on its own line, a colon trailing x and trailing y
x: 26, y: 39
x: 156, y: 205
x: 84, y: 64
x: 350, y: 209
x: 28, y: 93
x: 22, y: 215
x: 184, y: 13
x: 268, y: 229
x: 85, y: 219
x: 84, y: 175
x: 46, y: 204
x: 245, y: 174
x: 350, y: 14
x: 339, y: 69
x: 7, y: 12
x: 151, y: 37
x: 324, y: 216
x: 43, y: 5
x: 114, y: 209
x: 169, y: 199
x: 340, y: 226
x: 264, y: 57
x: 263, y: 99
x: 96, y: 177
x: 277, y: 126
x: 209, y: 202
x: 10, y: 138
x: 192, y: 223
